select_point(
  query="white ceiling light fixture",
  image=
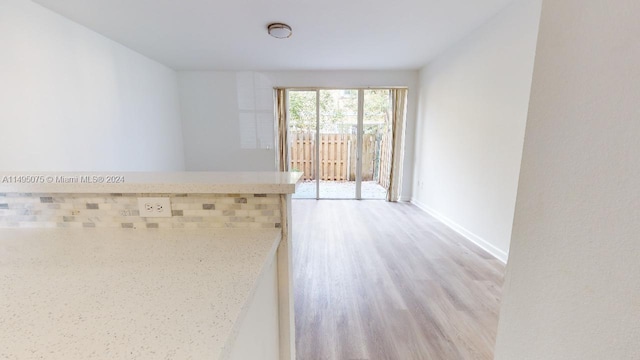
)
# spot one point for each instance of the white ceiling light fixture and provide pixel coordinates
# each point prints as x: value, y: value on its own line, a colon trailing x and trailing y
x: 279, y: 30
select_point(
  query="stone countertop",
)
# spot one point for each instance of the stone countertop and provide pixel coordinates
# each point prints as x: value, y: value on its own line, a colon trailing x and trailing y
x: 150, y: 182
x: 122, y: 294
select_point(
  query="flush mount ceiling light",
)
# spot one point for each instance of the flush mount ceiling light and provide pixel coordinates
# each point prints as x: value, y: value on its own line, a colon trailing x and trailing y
x: 279, y: 30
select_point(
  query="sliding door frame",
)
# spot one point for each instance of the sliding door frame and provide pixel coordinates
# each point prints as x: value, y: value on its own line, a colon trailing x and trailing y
x: 359, y: 135
x: 359, y: 145
x: 317, y: 144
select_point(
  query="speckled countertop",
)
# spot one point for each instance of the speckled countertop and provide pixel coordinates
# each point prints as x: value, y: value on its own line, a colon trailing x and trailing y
x: 187, y: 182
x: 120, y: 294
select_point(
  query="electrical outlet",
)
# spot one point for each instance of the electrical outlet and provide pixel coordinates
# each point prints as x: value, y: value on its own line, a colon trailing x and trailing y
x: 154, y: 206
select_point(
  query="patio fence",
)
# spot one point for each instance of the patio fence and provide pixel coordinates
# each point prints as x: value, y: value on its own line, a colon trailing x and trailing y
x: 338, y: 157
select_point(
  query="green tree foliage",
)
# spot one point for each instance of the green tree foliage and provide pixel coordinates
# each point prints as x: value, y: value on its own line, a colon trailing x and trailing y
x: 338, y: 110
x: 302, y: 110
x: 377, y: 108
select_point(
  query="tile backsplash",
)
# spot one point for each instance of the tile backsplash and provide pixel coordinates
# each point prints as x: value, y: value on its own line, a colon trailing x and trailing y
x: 19, y: 210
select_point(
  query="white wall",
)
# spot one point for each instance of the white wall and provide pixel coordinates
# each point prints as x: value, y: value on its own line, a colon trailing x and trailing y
x: 471, y: 117
x: 228, y: 120
x: 573, y: 280
x: 71, y: 99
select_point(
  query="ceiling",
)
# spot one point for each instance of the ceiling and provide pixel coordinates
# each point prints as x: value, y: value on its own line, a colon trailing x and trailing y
x: 327, y: 34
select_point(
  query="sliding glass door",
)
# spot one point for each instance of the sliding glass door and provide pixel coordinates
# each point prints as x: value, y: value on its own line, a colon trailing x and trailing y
x: 337, y: 139
x: 376, y: 143
x: 338, y: 144
x: 302, y: 110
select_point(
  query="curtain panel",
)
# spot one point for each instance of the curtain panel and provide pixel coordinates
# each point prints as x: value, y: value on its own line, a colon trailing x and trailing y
x: 283, y: 142
x: 398, y: 112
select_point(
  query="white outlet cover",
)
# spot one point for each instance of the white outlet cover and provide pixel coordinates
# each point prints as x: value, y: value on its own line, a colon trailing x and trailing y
x: 154, y: 206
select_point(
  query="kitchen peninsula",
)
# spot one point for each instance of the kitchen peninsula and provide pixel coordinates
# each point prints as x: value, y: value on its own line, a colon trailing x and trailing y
x: 85, y: 273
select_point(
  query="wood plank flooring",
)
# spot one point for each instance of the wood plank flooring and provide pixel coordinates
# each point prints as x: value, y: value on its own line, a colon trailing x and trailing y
x: 376, y: 280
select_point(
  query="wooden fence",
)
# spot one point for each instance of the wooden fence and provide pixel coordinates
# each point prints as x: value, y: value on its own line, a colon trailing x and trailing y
x: 338, y: 157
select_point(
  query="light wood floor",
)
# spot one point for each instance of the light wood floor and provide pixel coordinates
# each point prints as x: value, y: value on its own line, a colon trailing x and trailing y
x: 377, y: 280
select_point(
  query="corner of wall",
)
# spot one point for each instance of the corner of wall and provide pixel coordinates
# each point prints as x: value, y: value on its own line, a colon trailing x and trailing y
x: 471, y: 116
x: 461, y: 230
x: 123, y: 116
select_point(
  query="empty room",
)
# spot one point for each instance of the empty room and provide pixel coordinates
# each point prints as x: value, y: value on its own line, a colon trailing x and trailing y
x: 359, y: 180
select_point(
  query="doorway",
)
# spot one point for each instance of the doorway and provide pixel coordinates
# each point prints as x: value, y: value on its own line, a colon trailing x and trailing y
x: 340, y: 139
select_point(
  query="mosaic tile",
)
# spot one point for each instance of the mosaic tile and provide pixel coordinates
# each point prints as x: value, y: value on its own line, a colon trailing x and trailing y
x: 242, y: 219
x: 121, y: 211
x: 230, y: 207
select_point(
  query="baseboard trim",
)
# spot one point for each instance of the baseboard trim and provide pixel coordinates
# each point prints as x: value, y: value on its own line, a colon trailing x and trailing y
x: 482, y: 243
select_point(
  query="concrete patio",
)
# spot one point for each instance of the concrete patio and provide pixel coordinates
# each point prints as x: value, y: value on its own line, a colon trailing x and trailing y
x: 339, y: 190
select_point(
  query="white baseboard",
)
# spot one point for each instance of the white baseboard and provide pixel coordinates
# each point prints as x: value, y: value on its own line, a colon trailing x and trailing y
x: 405, y: 199
x: 482, y: 243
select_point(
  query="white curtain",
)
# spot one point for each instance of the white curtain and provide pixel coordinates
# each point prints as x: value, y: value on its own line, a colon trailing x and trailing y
x: 399, y: 105
x: 283, y: 143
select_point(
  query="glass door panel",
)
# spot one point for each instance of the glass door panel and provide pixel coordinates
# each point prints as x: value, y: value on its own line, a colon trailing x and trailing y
x: 302, y: 140
x: 338, y: 143
x: 376, y: 143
